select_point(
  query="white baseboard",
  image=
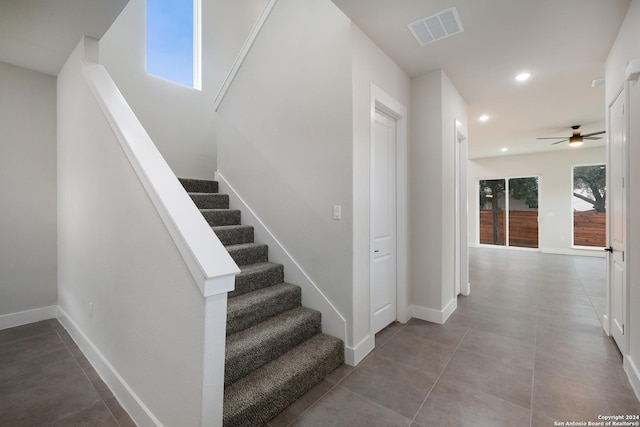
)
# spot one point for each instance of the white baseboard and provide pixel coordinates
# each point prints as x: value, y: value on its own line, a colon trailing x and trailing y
x: 354, y: 355
x: 432, y: 315
x: 312, y: 296
x: 127, y: 398
x: 28, y: 316
x: 633, y: 373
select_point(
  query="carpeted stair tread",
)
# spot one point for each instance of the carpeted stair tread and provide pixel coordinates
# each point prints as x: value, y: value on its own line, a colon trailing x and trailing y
x: 261, y: 395
x: 210, y: 200
x: 254, y: 347
x: 234, y: 234
x: 248, y: 253
x: 249, y: 309
x: 199, y: 185
x: 257, y: 276
x: 218, y: 217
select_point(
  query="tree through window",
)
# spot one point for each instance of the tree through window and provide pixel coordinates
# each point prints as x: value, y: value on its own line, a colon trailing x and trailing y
x: 589, y: 205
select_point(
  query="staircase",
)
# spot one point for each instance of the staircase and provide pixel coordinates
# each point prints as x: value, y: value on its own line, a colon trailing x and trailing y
x: 275, y: 349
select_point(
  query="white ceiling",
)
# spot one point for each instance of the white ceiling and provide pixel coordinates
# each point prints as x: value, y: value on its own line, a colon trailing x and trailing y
x: 562, y: 43
x: 40, y: 34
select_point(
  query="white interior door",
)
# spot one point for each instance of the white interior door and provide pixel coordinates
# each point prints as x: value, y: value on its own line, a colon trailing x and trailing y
x: 617, y: 219
x: 383, y: 221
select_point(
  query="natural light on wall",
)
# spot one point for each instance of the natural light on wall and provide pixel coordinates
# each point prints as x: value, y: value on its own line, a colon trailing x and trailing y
x: 173, y: 41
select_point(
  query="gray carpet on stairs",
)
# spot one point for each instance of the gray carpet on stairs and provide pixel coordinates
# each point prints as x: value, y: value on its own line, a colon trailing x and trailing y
x: 275, y: 350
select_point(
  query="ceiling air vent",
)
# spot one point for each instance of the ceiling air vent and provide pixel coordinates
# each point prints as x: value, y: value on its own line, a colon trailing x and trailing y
x: 436, y: 27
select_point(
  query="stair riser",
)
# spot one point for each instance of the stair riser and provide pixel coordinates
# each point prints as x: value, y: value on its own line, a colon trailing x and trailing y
x: 251, y: 282
x: 211, y: 201
x: 251, y: 255
x: 199, y: 186
x: 278, y: 303
x: 262, y: 353
x: 234, y: 236
x: 222, y: 217
x: 267, y: 405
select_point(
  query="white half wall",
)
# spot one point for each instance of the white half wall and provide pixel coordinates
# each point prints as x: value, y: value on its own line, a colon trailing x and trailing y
x: 285, y: 139
x: 371, y: 66
x: 27, y: 192
x: 625, y: 49
x: 179, y: 119
x: 555, y: 189
x: 122, y: 283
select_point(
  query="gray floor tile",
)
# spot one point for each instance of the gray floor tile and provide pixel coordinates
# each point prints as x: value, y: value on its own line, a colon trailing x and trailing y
x: 594, y: 372
x: 505, y: 349
x: 560, y: 320
x: 48, y: 401
x: 447, y: 334
x: 292, y: 412
x: 488, y: 375
x: 26, y: 374
x: 341, y: 407
x: 339, y: 374
x: 418, y: 352
x: 24, y: 331
x: 451, y: 404
x: 541, y: 420
x: 521, y: 328
x: 121, y: 416
x: 568, y: 343
x: 95, y: 416
x: 564, y: 399
x: 31, y: 346
x: 391, y: 384
x: 387, y: 333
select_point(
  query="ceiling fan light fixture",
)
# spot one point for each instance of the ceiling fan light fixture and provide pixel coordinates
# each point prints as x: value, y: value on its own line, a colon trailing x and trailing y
x: 523, y: 77
x: 575, y: 141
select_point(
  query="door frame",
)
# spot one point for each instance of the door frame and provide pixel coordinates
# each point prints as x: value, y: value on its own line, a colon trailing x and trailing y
x: 606, y: 323
x: 381, y: 101
x: 461, y: 247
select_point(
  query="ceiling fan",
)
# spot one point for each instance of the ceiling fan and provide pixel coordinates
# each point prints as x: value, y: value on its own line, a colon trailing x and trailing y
x: 577, y: 138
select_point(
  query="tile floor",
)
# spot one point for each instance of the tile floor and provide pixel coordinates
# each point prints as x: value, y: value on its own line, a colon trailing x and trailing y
x: 526, y: 348
x: 45, y: 380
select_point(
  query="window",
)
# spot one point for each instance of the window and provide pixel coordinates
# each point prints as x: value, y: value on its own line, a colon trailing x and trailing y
x: 512, y: 220
x: 589, y: 202
x: 173, y: 34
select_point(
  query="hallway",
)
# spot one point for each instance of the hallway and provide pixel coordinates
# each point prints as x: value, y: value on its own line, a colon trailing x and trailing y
x: 524, y: 349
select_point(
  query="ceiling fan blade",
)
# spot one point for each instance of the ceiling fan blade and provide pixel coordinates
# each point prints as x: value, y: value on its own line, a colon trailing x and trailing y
x: 564, y: 140
x: 594, y: 133
x: 591, y: 137
x: 554, y: 137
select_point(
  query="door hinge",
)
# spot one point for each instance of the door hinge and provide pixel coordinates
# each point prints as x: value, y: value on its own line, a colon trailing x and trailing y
x: 622, y: 256
x: 622, y: 329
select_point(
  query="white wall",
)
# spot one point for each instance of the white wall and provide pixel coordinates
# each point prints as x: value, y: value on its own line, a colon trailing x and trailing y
x: 285, y: 139
x: 180, y: 120
x: 555, y: 188
x: 626, y: 48
x: 435, y: 106
x: 27, y: 190
x: 115, y: 252
x: 370, y: 66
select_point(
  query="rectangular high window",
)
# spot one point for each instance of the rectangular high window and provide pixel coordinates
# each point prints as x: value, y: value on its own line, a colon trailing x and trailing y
x: 173, y: 36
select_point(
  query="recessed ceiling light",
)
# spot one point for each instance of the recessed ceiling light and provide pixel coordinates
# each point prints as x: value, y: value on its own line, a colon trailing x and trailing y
x: 523, y: 77
x: 483, y: 118
x: 503, y: 149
